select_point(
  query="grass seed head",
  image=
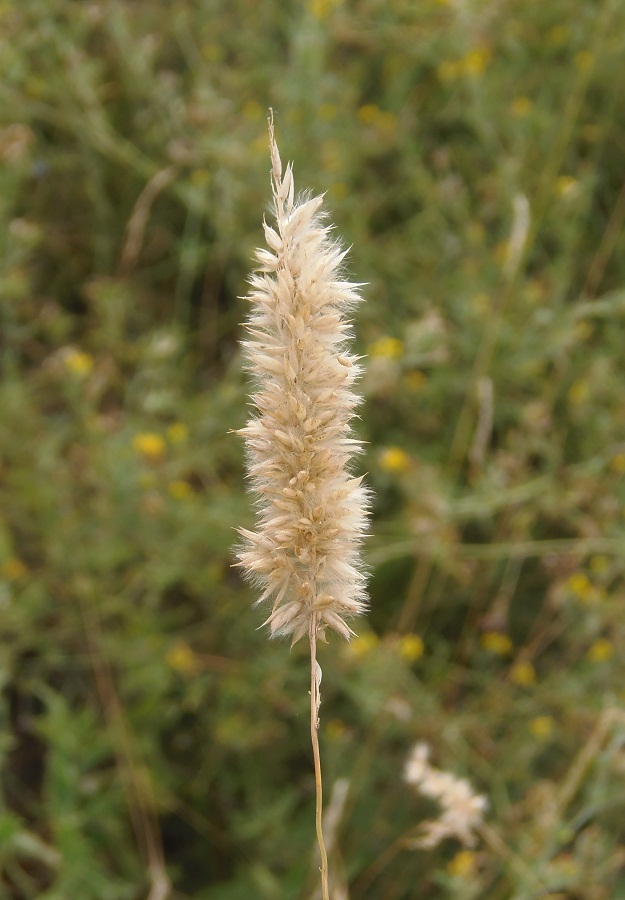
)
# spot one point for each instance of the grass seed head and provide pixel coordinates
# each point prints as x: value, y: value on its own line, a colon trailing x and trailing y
x: 312, y: 511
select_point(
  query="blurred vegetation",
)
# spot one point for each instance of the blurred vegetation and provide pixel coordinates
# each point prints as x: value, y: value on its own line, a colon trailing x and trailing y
x: 472, y: 154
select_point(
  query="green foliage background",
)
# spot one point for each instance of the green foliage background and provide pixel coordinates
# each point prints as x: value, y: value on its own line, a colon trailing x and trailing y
x: 472, y: 154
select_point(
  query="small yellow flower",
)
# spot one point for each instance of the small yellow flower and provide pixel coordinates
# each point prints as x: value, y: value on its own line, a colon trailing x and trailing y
x: 497, y: 643
x: 542, y: 727
x: 584, y: 60
x: 77, y: 361
x: 586, y: 592
x: 322, y: 8
x: 369, y: 114
x: 475, y: 62
x: 523, y: 674
x: 177, y: 433
x: 394, y: 459
x: 149, y: 445
x: 521, y: 107
x: 13, y: 569
x: 200, y: 177
x: 362, y: 645
x: 557, y: 35
x: 579, y: 584
x: 181, y: 658
x: 386, y: 122
x: 410, y: 647
x: 600, y: 651
x: 566, y: 185
x: 463, y: 865
x: 617, y: 463
x: 387, y: 347
x: 180, y: 490
x: 599, y: 564
x: 579, y: 392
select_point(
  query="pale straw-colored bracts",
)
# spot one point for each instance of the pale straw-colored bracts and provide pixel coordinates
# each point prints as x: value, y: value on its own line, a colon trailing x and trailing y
x: 305, y: 552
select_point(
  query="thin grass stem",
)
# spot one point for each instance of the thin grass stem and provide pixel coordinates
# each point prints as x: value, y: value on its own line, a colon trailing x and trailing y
x: 314, y: 737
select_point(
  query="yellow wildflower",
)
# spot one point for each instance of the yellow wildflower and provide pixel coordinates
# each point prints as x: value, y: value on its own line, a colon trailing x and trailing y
x: 410, y: 647
x: 566, y: 185
x: 599, y: 564
x: 388, y: 347
x: 394, y: 459
x: 586, y: 592
x: 463, y: 865
x: 475, y: 62
x: 177, y: 433
x: 521, y: 107
x: 600, y: 651
x: 149, y: 445
x: 542, y: 727
x: 579, y: 392
x: 369, y: 113
x: 200, y: 177
x: 181, y: 658
x: 362, y: 645
x: 322, y: 8
x: 497, y: 643
x: 557, y: 35
x: 384, y: 121
x: 523, y: 674
x: 77, y: 361
x: 13, y: 569
x: 180, y: 490
x: 579, y: 584
x: 617, y: 463
x: 584, y: 60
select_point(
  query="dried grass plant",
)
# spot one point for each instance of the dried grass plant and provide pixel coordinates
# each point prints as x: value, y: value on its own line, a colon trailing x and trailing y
x: 312, y: 511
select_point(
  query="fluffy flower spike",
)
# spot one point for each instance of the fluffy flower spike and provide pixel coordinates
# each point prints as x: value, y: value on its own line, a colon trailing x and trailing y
x: 305, y: 552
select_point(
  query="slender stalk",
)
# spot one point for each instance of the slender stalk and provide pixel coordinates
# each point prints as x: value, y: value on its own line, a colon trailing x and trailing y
x: 314, y: 737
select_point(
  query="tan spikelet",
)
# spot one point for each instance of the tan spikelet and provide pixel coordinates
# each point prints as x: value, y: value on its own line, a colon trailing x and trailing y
x: 305, y: 552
